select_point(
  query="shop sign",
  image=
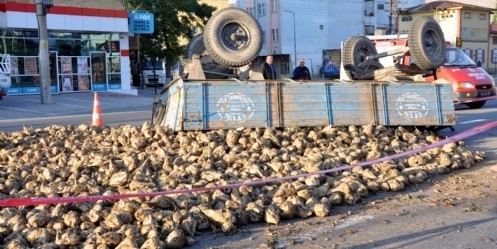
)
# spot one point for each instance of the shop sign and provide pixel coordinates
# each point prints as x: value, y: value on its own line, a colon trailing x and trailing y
x: 141, y: 23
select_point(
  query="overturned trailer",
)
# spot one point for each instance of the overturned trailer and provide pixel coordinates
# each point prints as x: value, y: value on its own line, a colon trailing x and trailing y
x: 244, y: 99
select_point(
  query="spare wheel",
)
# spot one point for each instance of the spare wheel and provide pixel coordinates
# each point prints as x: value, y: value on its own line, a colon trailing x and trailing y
x: 355, y: 51
x: 427, y: 43
x: 233, y: 37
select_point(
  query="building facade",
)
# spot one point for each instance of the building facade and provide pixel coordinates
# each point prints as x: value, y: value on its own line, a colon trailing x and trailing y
x: 88, y: 46
x: 314, y: 30
x: 310, y: 30
x: 470, y: 24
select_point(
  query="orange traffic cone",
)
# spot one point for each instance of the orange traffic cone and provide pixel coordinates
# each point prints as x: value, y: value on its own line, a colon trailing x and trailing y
x: 97, y: 112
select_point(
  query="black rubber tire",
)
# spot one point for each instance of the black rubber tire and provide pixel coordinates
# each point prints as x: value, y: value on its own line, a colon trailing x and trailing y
x: 158, y: 113
x: 355, y: 51
x: 196, y: 46
x: 427, y: 43
x: 476, y: 105
x: 233, y: 37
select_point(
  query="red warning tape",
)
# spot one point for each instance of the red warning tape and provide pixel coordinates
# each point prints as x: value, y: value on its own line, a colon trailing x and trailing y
x: 79, y: 199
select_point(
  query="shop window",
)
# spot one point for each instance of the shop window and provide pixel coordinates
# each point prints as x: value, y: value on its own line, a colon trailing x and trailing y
x: 114, y: 72
x: 20, y: 46
x: 74, y: 73
x: 65, y: 47
x: 24, y: 73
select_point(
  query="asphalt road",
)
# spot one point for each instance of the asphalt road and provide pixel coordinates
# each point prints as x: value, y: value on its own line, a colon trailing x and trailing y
x: 75, y: 108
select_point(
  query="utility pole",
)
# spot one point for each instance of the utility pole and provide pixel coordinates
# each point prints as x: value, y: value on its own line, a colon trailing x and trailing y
x: 391, y: 15
x: 42, y: 7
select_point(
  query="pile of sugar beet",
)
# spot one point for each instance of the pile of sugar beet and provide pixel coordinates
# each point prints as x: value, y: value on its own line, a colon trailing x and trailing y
x: 68, y: 161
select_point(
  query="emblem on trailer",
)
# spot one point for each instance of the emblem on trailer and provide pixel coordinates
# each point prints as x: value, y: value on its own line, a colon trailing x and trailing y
x: 412, y: 106
x: 235, y: 107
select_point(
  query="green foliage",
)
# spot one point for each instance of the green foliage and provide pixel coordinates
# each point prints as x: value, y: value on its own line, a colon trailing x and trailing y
x: 174, y: 20
x: 494, y: 19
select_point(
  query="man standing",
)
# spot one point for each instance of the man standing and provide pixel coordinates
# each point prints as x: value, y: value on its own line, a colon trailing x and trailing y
x: 301, y: 72
x: 268, y: 70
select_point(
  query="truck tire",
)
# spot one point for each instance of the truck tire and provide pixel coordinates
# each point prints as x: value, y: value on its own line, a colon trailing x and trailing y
x: 355, y: 51
x: 427, y: 43
x: 158, y: 113
x: 476, y: 105
x: 195, y: 46
x: 233, y: 37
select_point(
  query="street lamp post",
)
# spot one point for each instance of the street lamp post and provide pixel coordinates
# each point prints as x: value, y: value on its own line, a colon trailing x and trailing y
x: 42, y: 7
x: 294, y: 37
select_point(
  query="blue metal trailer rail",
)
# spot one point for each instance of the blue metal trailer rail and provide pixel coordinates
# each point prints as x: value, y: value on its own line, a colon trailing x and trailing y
x: 228, y: 104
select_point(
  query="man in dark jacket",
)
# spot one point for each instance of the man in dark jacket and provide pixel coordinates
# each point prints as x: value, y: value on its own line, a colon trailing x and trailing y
x: 301, y: 72
x: 268, y: 70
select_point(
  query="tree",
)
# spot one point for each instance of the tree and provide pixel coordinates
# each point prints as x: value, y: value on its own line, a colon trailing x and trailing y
x: 175, y: 20
x: 494, y: 19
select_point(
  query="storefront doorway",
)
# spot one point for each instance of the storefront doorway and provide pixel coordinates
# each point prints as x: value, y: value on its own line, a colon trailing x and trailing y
x: 98, y: 71
x: 54, y: 71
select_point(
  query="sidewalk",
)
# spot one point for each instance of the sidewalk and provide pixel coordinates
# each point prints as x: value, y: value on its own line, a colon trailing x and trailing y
x: 30, y: 106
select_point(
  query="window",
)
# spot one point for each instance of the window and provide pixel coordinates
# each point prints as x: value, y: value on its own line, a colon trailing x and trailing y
x: 276, y: 34
x: 261, y: 9
x: 274, y: 6
x: 483, y: 17
x: 469, y: 52
x: 467, y: 15
x: 250, y: 10
x: 494, y: 56
x: 380, y: 6
x: 368, y: 8
x: 407, y: 18
x: 263, y: 37
x: 494, y: 40
x: 480, y: 55
x: 369, y: 29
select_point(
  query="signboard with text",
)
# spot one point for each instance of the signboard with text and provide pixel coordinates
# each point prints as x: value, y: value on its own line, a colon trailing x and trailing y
x: 141, y: 23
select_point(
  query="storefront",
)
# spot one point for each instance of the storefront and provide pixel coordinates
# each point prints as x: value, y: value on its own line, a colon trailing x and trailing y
x: 88, y: 48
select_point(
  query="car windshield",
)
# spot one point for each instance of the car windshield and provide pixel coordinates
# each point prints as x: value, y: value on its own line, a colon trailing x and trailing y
x: 457, y: 57
x: 149, y: 66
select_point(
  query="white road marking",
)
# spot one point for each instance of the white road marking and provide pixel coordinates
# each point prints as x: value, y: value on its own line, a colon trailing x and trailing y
x: 354, y: 220
x: 473, y: 121
x: 21, y: 109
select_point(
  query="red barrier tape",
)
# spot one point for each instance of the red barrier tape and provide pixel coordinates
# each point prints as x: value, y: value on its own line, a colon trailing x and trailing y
x: 79, y: 199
